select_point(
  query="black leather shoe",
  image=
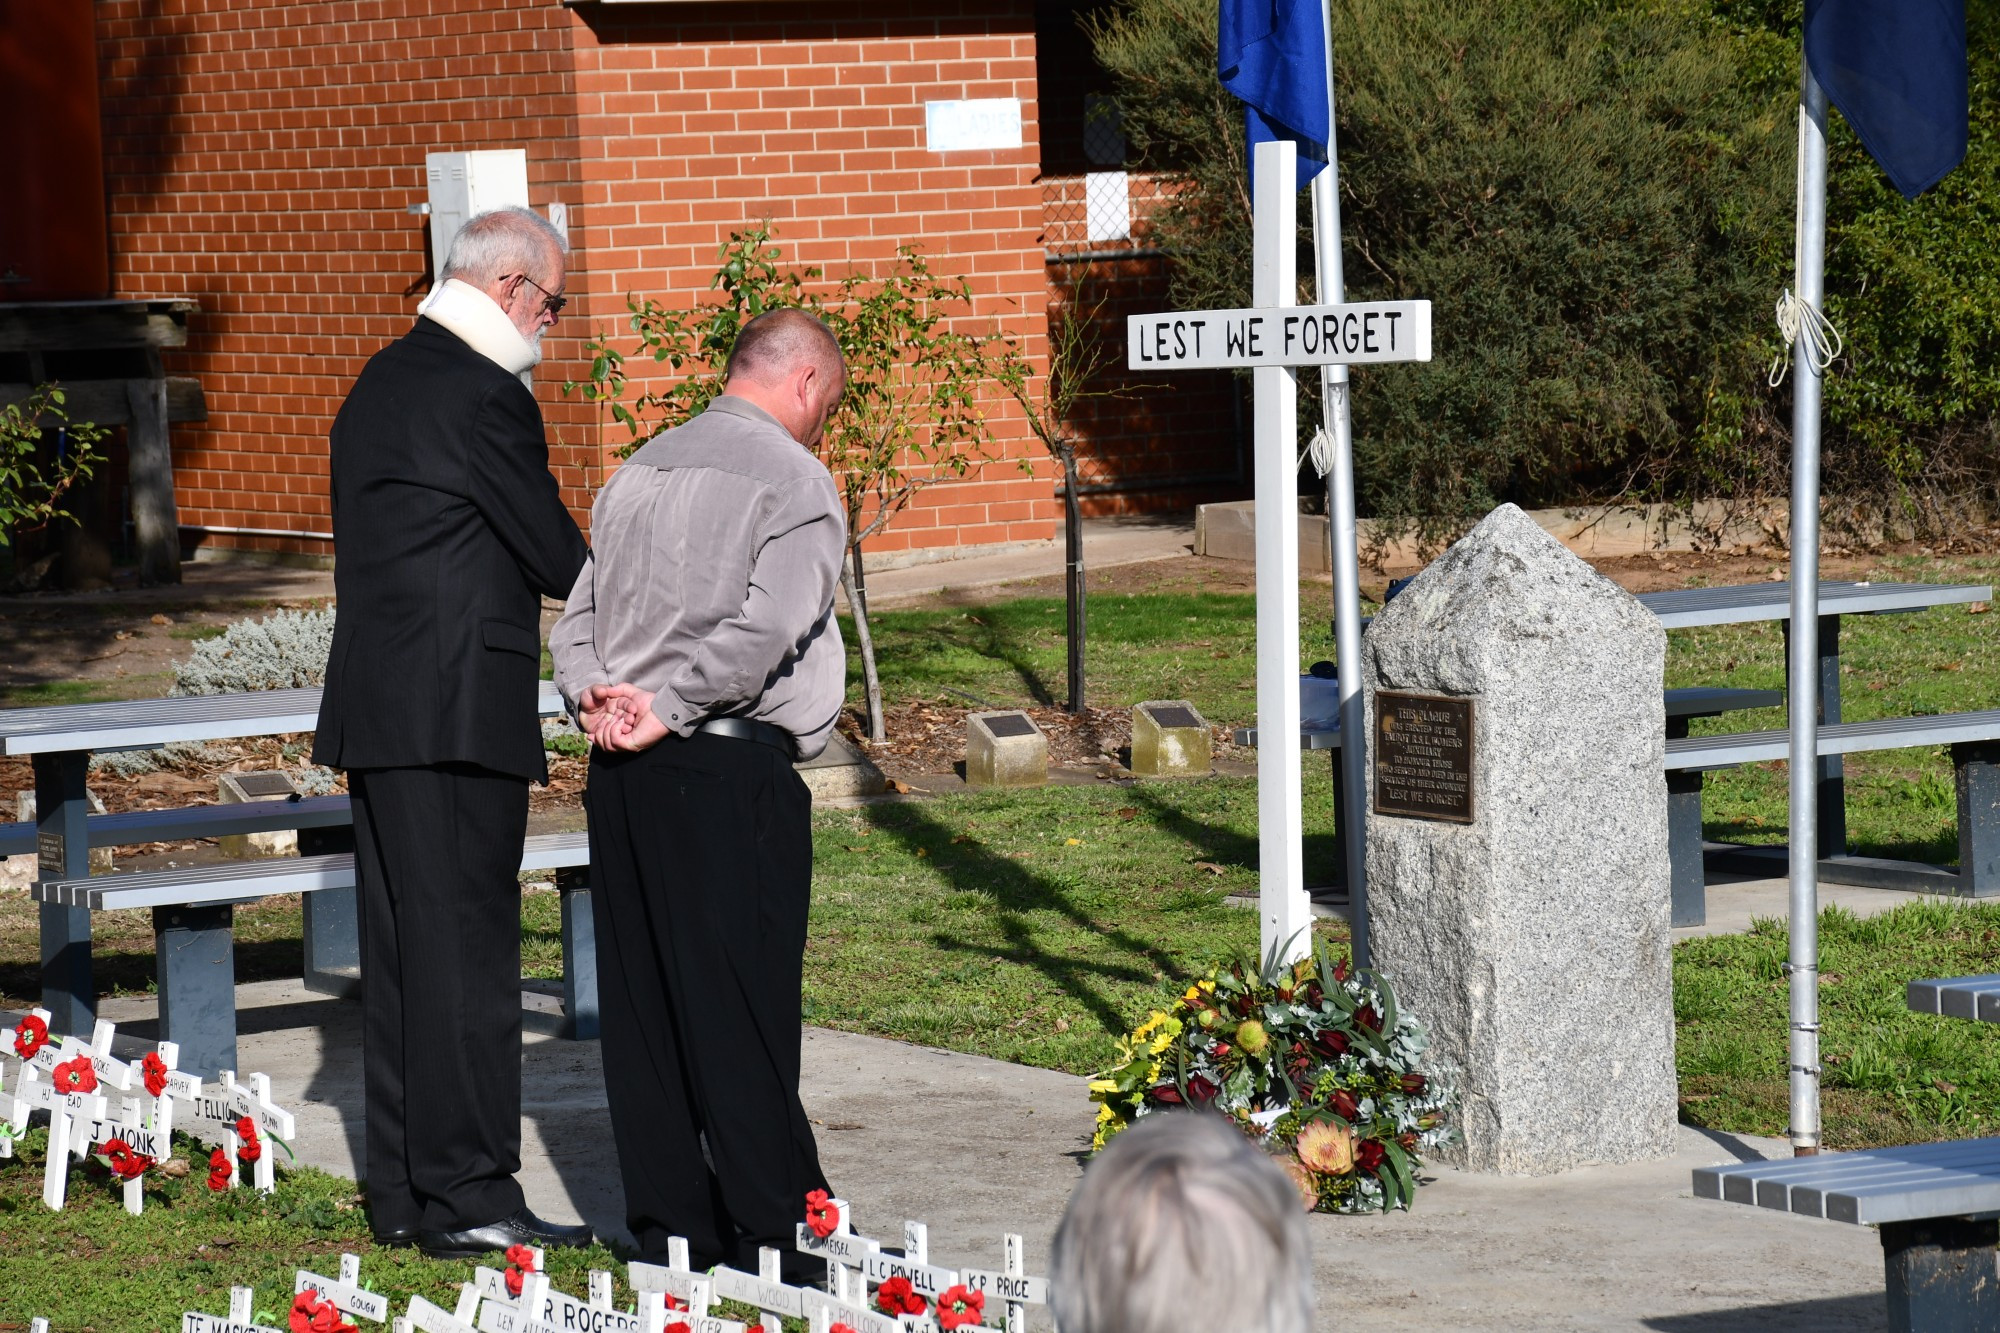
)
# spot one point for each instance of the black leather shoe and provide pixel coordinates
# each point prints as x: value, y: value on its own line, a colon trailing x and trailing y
x: 400, y: 1238
x: 523, y: 1228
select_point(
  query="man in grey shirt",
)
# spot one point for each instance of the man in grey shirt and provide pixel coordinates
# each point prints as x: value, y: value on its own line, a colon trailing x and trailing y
x: 700, y: 649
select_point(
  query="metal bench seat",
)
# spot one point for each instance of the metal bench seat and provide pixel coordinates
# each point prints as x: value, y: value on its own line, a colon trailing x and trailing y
x: 1681, y: 705
x: 193, y: 934
x: 1976, y: 998
x: 1882, y: 733
x: 1935, y: 1203
x: 187, y: 823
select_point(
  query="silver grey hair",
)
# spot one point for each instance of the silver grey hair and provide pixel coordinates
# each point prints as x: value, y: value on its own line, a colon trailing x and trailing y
x: 502, y: 241
x: 1183, y: 1223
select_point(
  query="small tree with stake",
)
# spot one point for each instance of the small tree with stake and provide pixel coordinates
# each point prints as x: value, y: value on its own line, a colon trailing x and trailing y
x: 1077, y: 360
x: 911, y: 416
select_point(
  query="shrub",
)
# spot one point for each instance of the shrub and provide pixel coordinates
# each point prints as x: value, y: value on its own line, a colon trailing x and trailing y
x: 286, y: 650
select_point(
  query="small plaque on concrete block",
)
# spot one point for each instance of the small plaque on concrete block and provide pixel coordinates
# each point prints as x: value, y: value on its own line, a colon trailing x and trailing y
x: 1005, y: 749
x: 244, y: 788
x: 1169, y: 740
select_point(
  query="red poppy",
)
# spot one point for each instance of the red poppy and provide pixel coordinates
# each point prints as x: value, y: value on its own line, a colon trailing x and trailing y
x: 312, y: 1315
x: 30, y: 1036
x: 897, y: 1296
x: 246, y: 1128
x: 218, y: 1170
x: 673, y: 1302
x: 841, y: 1328
x: 75, y: 1076
x: 521, y: 1256
x: 960, y: 1305
x: 250, y: 1151
x: 155, y: 1070
x: 125, y: 1163
x: 679, y: 1326
x: 1369, y: 1156
x: 822, y: 1216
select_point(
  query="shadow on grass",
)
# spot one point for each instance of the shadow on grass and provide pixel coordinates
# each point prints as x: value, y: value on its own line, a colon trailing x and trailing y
x: 1015, y: 892
x: 1229, y: 847
x: 1940, y: 849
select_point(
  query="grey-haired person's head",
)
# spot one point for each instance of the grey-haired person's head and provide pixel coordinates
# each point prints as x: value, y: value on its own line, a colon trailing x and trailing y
x: 1183, y: 1223
x: 505, y: 241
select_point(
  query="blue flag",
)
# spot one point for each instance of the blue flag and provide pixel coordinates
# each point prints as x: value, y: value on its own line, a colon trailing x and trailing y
x: 1273, y: 57
x: 1896, y: 69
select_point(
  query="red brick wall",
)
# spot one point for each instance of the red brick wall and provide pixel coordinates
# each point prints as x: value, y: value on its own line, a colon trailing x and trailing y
x: 260, y: 159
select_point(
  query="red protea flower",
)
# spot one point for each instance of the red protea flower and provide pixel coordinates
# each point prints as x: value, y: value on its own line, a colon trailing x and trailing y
x: 897, y: 1296
x: 960, y: 1305
x: 1344, y: 1104
x: 155, y: 1071
x: 1366, y: 1017
x: 822, y: 1216
x: 1414, y: 1084
x: 75, y: 1076
x: 1369, y: 1156
x: 1202, y: 1089
x: 1331, y: 1042
x: 1166, y: 1093
x: 30, y: 1036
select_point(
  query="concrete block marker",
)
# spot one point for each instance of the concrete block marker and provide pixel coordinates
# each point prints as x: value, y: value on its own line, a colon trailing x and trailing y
x: 245, y: 789
x: 1005, y: 749
x: 1169, y: 740
x: 1518, y: 872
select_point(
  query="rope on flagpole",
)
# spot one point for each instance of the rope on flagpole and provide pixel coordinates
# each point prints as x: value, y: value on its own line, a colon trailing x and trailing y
x: 1320, y: 448
x: 1823, y: 341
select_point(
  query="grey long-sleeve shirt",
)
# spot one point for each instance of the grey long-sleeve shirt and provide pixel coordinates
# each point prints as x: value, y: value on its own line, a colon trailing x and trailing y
x: 716, y: 549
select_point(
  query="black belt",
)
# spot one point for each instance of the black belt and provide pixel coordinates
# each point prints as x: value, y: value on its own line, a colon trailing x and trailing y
x: 744, y: 729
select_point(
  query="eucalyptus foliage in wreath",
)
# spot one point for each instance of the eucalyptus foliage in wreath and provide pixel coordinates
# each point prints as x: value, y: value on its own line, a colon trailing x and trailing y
x: 1314, y: 1061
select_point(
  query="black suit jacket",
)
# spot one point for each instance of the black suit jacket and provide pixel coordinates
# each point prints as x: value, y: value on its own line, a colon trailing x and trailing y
x: 447, y: 530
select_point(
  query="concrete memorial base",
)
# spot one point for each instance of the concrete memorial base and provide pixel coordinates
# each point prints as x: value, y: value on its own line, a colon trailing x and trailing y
x: 1518, y: 876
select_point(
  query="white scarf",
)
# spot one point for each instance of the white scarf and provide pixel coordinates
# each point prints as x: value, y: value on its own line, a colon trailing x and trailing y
x: 482, y: 325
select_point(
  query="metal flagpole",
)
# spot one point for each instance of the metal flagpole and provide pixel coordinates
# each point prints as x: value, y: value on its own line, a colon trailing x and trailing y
x: 1346, y: 561
x: 1802, y: 664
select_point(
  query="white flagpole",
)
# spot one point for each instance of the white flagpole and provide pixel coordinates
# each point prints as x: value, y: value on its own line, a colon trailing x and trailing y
x: 1346, y: 558
x: 1803, y: 658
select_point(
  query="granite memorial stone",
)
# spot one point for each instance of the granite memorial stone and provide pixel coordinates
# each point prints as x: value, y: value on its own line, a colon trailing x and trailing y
x: 1517, y: 847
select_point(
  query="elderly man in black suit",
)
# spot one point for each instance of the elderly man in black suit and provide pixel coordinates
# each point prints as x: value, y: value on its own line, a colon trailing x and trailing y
x: 448, y: 530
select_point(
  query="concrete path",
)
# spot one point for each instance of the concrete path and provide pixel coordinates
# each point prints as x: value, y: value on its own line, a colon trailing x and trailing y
x: 1107, y: 543
x: 977, y: 1147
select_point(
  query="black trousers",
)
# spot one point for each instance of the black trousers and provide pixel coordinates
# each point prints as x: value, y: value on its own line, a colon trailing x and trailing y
x: 701, y: 855
x: 436, y: 853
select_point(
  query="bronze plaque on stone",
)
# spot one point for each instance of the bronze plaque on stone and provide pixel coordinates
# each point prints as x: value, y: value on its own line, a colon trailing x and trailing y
x: 1423, y: 756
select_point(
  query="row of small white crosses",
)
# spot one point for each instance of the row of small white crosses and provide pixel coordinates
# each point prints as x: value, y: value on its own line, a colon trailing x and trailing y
x: 344, y: 1293
x: 854, y: 1263
x: 83, y: 1120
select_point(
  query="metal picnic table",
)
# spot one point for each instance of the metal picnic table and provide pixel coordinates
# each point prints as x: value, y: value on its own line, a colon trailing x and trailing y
x: 1691, y: 608
x: 60, y: 740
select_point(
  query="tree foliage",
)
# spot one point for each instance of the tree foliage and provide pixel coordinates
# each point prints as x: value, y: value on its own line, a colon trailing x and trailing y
x: 1596, y: 196
x: 32, y: 484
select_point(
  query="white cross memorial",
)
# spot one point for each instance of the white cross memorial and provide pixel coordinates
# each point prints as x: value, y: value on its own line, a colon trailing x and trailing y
x: 693, y: 1293
x: 1274, y: 338
x: 914, y: 1264
x: 844, y: 1250
x: 180, y: 1087
x: 233, y: 1101
x: 424, y: 1317
x: 344, y: 1293
x: 49, y: 1056
x: 767, y: 1290
x: 541, y: 1307
x: 66, y: 1111
x: 1010, y: 1286
x: 241, y: 1318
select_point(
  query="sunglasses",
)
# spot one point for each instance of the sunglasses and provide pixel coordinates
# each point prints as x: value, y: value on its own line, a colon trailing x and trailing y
x: 551, y: 303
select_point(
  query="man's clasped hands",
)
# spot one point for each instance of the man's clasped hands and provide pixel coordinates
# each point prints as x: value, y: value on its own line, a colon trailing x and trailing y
x: 619, y: 717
